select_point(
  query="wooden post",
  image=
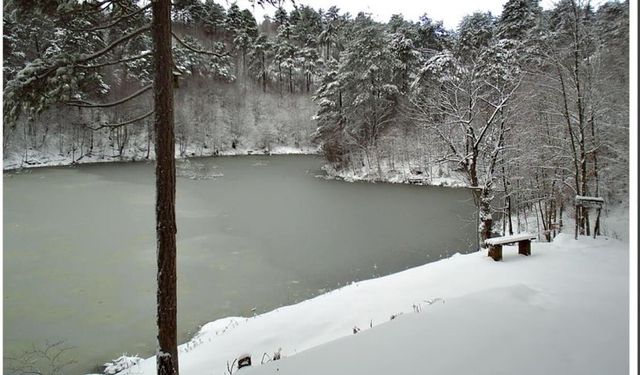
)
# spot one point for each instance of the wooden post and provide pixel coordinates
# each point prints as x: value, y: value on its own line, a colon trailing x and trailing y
x: 583, y: 203
x: 524, y: 247
x: 495, y: 252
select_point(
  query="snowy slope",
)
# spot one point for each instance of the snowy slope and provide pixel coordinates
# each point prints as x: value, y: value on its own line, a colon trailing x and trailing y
x: 563, y: 310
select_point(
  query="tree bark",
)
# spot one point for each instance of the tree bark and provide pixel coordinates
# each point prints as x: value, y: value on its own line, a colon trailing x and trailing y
x: 486, y: 220
x: 577, y: 58
x: 507, y: 194
x: 264, y: 75
x: 595, y: 170
x: 167, y: 356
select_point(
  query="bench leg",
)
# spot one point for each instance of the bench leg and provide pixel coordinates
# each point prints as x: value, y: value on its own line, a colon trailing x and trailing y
x: 524, y: 247
x: 495, y: 252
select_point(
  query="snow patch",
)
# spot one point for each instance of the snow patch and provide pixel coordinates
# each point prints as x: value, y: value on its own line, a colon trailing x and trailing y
x: 564, y: 309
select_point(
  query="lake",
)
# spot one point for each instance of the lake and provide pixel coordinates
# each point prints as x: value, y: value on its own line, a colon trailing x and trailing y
x: 254, y: 233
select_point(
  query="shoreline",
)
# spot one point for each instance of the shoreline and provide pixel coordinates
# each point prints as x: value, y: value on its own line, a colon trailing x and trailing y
x: 404, y: 177
x: 48, y: 161
x: 416, y: 297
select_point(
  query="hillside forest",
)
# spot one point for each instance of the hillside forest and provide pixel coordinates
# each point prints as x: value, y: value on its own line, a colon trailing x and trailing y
x: 529, y: 107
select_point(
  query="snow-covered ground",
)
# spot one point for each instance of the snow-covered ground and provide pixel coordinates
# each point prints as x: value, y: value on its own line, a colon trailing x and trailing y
x: 51, y: 158
x: 401, y: 175
x: 562, y: 310
x: 615, y: 222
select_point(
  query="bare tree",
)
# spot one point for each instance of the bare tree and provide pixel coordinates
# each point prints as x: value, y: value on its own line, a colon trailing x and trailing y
x: 467, y: 110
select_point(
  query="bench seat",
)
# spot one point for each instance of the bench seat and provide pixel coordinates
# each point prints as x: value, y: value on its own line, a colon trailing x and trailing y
x: 522, y: 239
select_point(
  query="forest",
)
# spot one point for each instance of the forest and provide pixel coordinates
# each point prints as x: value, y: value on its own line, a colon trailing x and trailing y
x: 530, y: 108
x: 527, y: 110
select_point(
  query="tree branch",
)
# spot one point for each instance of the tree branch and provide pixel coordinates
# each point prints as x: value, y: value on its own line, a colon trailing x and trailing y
x: 115, y: 44
x: 497, y: 109
x: 185, y: 45
x: 120, y: 124
x: 117, y: 20
x: 95, y: 66
x: 85, y: 104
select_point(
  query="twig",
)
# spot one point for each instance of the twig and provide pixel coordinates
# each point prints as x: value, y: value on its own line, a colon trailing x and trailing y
x: 230, y: 368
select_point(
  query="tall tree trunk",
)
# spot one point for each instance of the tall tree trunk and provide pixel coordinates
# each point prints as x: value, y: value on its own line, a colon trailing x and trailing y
x: 486, y: 219
x: 149, y: 137
x: 379, y: 166
x: 585, y: 225
x: 545, y: 228
x: 290, y: 80
x: 507, y: 194
x: 280, y: 77
x: 595, y: 171
x: 577, y: 58
x: 244, y: 63
x: 90, y: 141
x: 567, y: 118
x: 167, y: 356
x: 472, y: 171
x: 26, y: 145
x: 560, y: 213
x: 264, y: 75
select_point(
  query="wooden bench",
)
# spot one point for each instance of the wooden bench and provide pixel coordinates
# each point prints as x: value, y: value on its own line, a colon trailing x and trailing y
x: 523, y: 240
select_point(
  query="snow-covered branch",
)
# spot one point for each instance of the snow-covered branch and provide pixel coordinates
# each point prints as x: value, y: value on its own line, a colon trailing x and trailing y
x: 86, y: 104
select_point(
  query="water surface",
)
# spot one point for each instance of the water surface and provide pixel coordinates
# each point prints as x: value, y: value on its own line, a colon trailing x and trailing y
x: 254, y: 233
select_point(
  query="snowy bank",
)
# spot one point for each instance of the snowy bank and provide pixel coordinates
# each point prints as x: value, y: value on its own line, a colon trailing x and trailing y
x: 50, y: 158
x: 397, y: 175
x: 562, y: 310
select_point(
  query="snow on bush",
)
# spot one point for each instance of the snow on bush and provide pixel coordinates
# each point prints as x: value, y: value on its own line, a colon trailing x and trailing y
x: 121, y: 363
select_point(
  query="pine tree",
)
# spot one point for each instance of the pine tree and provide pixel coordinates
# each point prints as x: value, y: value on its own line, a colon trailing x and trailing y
x: 335, y: 27
x: 370, y: 98
x: 432, y: 35
x: 406, y: 58
x: 215, y: 16
x: 474, y: 33
x: 329, y: 117
x: 518, y: 19
x: 259, y: 56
